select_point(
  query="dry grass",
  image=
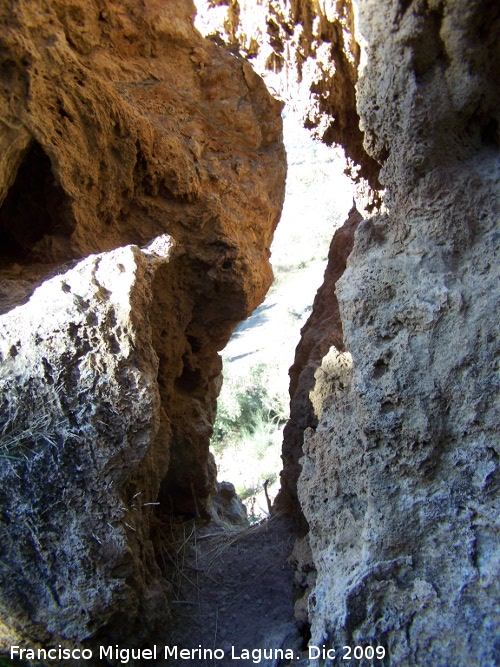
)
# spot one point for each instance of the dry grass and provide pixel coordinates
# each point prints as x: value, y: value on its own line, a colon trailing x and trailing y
x: 24, y: 426
x: 21, y: 432
x: 15, y: 435
x: 197, y: 549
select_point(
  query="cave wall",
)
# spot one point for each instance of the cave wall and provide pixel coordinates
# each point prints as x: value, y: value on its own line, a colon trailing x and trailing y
x: 394, y: 387
x: 399, y: 482
x: 322, y: 332
x: 142, y: 175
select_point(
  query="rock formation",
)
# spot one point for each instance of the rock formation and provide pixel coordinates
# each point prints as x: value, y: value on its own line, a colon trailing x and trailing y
x: 80, y: 411
x: 399, y: 482
x: 141, y: 177
x: 309, y: 55
x: 322, y: 331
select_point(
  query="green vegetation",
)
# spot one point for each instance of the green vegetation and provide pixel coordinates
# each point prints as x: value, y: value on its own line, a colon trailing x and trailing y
x: 248, y: 406
x: 251, y: 413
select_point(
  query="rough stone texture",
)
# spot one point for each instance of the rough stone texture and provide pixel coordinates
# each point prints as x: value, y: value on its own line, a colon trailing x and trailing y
x: 400, y: 479
x: 227, y: 507
x: 112, y: 115
x: 120, y: 124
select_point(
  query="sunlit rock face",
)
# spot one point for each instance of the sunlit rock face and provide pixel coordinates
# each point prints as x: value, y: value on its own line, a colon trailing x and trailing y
x: 400, y: 479
x: 142, y: 175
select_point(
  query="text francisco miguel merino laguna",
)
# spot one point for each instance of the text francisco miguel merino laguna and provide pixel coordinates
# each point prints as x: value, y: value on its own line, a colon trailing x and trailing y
x: 124, y: 655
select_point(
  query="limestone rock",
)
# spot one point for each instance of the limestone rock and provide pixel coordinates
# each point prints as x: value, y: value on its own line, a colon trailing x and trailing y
x: 331, y: 379
x: 399, y: 483
x: 302, y: 562
x: 121, y: 125
x: 227, y: 506
x: 309, y: 54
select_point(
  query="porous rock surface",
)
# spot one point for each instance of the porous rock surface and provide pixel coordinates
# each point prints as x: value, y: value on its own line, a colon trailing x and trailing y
x: 400, y: 479
x: 120, y: 124
x: 122, y: 128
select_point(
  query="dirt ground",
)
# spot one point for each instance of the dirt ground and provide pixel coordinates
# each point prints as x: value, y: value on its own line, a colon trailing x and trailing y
x: 234, y: 592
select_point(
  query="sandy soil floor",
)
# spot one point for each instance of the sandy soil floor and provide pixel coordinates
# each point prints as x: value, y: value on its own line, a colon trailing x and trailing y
x: 234, y: 592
